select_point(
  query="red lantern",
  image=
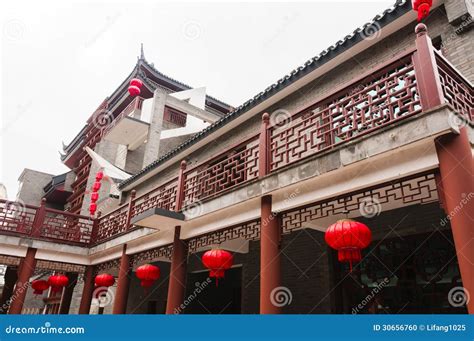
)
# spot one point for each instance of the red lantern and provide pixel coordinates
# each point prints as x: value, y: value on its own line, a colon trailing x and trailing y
x: 57, y: 282
x: 217, y: 261
x: 104, y: 280
x: 96, y: 186
x: 147, y: 274
x: 422, y: 7
x: 99, y: 175
x: 94, y: 196
x: 348, y: 237
x: 39, y: 286
x: 92, y: 208
x: 135, y: 86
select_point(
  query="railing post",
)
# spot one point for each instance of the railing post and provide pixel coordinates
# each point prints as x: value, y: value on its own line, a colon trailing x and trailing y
x: 39, y: 219
x: 180, y: 188
x: 426, y: 70
x: 264, y: 147
x: 95, y: 228
x: 133, y: 193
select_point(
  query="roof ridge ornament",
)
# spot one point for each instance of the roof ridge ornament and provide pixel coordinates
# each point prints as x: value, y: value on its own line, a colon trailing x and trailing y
x: 142, y: 53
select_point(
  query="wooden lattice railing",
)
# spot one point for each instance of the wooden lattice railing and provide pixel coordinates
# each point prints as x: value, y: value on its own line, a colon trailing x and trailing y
x: 383, y: 96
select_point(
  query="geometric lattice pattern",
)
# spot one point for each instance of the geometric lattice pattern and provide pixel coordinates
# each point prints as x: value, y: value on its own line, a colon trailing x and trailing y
x: 152, y: 255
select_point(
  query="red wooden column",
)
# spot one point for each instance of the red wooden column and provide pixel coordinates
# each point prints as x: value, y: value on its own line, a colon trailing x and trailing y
x: 10, y: 278
x: 426, y: 70
x: 87, y: 291
x: 270, y: 276
x: 123, y: 284
x: 27, y: 267
x: 67, y: 294
x: 457, y: 177
x: 177, y: 281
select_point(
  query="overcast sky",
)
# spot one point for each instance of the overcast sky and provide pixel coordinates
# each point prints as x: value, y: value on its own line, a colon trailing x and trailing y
x: 59, y: 60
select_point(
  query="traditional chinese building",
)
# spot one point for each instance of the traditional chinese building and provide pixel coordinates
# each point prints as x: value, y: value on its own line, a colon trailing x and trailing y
x: 376, y: 130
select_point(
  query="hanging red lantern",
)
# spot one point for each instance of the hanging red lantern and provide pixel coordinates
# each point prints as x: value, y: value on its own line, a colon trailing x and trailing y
x: 217, y: 261
x: 96, y: 186
x: 94, y: 196
x: 39, y: 286
x: 99, y: 175
x: 348, y: 237
x: 135, y: 86
x: 58, y: 282
x: 104, y: 280
x: 422, y: 7
x: 92, y: 208
x: 147, y: 274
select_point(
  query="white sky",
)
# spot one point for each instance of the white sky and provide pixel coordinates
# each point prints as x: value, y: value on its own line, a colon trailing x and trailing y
x: 59, y: 60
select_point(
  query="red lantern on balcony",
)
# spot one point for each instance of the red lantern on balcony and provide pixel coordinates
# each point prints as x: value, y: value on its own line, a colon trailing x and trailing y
x: 348, y: 237
x: 147, y: 274
x: 99, y: 175
x: 104, y: 280
x: 94, y: 196
x: 135, y: 86
x: 92, y: 208
x: 96, y: 186
x: 217, y: 261
x: 58, y: 282
x: 422, y: 7
x: 39, y: 286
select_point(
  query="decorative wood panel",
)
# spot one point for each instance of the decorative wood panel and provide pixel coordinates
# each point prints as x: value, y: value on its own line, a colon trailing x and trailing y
x: 152, y: 255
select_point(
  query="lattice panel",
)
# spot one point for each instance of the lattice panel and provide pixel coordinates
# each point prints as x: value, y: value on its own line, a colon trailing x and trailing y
x: 112, y: 224
x: 419, y: 190
x: 9, y: 260
x: 59, y: 266
x: 107, y: 266
x: 458, y: 93
x: 249, y: 231
x: 66, y: 227
x: 162, y: 197
x: 364, y: 107
x: 16, y: 217
x: 238, y: 166
x: 152, y: 255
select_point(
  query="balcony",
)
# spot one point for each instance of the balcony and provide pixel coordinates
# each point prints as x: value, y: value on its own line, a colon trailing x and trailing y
x: 412, y: 83
x: 127, y: 130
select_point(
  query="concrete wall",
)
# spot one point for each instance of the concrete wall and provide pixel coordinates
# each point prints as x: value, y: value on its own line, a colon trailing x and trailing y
x: 32, y: 184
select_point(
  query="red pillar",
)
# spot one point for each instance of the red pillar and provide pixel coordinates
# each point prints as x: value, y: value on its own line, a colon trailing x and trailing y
x: 67, y: 294
x: 123, y: 284
x: 10, y: 278
x: 457, y: 176
x: 27, y: 267
x: 87, y: 291
x: 177, y: 281
x: 269, y: 256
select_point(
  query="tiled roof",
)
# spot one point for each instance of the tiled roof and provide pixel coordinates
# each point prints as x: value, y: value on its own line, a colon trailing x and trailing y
x: 378, y: 22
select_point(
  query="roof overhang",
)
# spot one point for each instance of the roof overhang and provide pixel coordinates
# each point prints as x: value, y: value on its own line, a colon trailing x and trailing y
x: 128, y: 131
x: 346, y: 52
x: 158, y: 218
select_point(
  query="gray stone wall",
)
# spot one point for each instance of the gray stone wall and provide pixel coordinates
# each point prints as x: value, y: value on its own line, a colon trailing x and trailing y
x: 32, y: 184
